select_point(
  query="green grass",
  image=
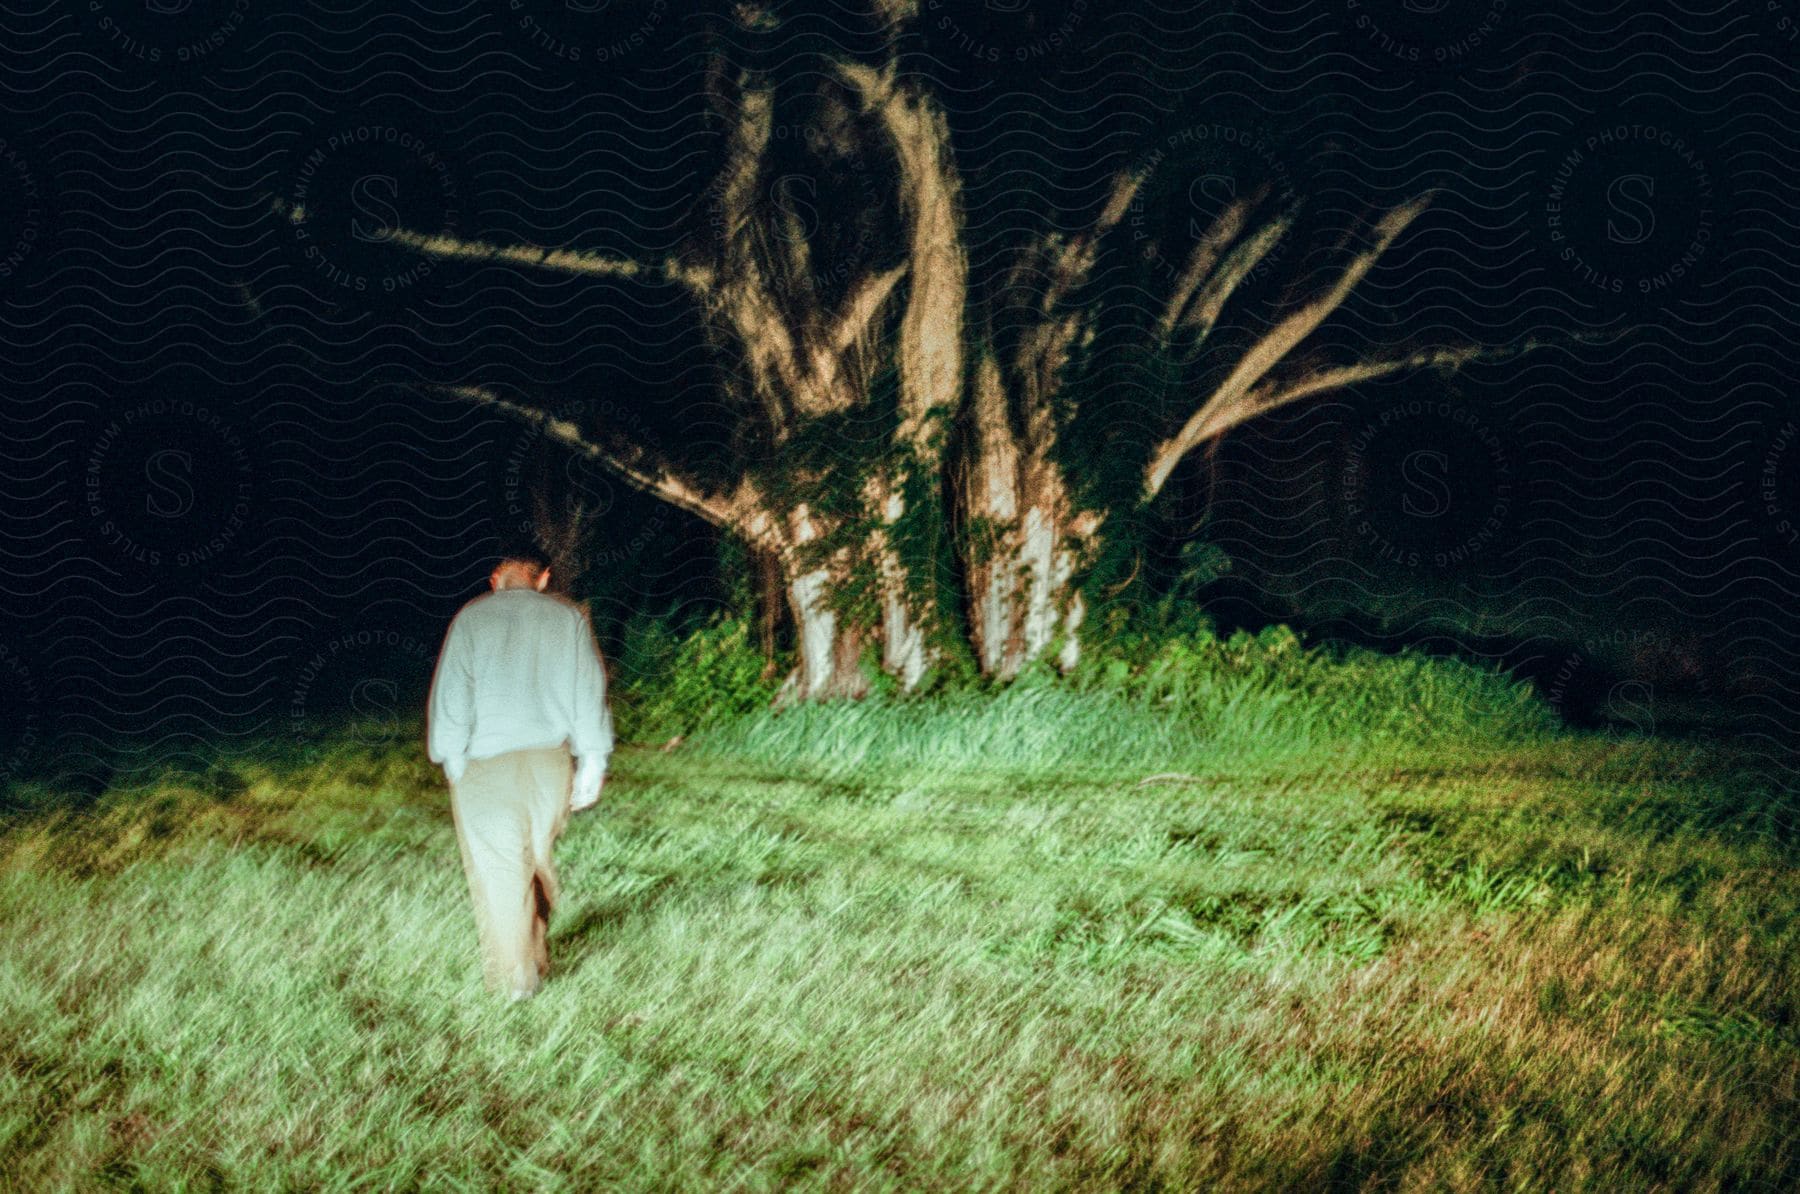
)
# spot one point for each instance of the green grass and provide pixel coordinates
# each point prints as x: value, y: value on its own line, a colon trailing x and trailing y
x: 892, y: 948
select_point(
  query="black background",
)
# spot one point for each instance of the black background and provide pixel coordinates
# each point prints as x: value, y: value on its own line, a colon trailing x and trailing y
x: 283, y: 492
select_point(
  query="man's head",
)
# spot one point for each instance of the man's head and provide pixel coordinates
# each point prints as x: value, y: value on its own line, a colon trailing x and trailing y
x: 521, y: 567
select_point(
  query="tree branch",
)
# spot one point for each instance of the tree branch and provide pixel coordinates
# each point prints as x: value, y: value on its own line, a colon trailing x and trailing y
x: 863, y: 305
x: 562, y: 261
x: 1037, y: 284
x: 636, y: 464
x: 1049, y: 268
x: 1203, y: 314
x: 896, y: 12
x: 1125, y: 187
x: 931, y: 328
x: 1228, y: 405
x: 1272, y: 394
x: 1076, y: 259
x: 1225, y: 229
x: 744, y: 299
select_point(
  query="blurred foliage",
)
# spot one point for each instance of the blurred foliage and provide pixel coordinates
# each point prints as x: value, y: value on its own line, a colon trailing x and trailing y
x: 679, y: 684
x: 1154, y: 675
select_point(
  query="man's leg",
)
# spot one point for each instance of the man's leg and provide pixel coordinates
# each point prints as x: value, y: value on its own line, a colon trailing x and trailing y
x: 553, y: 774
x: 492, y: 808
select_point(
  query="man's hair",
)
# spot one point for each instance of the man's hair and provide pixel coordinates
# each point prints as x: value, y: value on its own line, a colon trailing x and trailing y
x: 528, y: 554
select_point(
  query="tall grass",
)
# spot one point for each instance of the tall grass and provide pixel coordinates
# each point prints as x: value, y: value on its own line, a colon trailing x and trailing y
x: 1247, y: 919
x: 1179, y: 702
x: 1575, y: 970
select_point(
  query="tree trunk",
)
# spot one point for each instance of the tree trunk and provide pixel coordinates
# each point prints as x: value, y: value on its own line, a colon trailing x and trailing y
x: 907, y: 606
x: 928, y: 350
x: 1023, y: 583
x: 1023, y: 541
x: 829, y: 643
x: 771, y: 594
x: 830, y: 648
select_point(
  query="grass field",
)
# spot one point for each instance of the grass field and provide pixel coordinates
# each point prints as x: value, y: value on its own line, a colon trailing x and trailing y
x: 1561, y: 964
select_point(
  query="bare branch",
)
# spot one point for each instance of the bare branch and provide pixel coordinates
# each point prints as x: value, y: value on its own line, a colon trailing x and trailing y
x: 1228, y: 403
x: 1203, y: 315
x: 636, y: 464
x: 1125, y: 187
x: 1042, y: 275
x: 1051, y: 267
x: 872, y: 84
x: 1225, y: 229
x: 839, y: 364
x: 744, y: 300
x: 562, y: 261
x: 865, y: 302
x: 1071, y: 262
x: 896, y: 12
x: 758, y: 17
x: 1272, y: 393
x: 931, y: 328
x: 812, y: 372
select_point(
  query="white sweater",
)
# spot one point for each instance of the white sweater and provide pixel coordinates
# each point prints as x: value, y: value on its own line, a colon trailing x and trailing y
x: 518, y: 670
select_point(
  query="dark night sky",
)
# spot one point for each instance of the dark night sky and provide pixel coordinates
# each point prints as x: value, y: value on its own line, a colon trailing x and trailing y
x: 216, y: 471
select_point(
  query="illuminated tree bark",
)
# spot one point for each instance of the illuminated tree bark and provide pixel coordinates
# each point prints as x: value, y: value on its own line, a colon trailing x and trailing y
x: 979, y: 392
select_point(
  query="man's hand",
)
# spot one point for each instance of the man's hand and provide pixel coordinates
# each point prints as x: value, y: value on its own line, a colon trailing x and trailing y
x: 586, y: 790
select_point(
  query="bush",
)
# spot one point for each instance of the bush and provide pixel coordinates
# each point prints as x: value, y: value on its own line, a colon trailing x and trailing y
x: 1332, y: 692
x: 1162, y: 691
x: 1156, y: 681
x: 675, y: 686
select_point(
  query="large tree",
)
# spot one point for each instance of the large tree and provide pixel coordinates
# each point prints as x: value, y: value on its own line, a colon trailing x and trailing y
x: 888, y: 404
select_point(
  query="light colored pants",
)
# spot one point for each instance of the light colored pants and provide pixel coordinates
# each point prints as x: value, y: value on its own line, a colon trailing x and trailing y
x: 509, y: 811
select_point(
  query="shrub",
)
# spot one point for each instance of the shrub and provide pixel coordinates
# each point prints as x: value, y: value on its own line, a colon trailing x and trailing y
x: 675, y: 686
x: 1182, y: 704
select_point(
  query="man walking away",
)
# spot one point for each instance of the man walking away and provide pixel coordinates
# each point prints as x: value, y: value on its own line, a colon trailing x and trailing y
x: 518, y: 696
